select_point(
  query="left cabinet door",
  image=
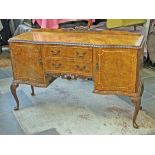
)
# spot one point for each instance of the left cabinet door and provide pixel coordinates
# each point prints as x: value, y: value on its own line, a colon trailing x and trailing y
x: 27, y: 63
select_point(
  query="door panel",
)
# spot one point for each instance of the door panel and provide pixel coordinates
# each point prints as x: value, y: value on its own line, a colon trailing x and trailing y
x: 115, y: 69
x: 26, y: 61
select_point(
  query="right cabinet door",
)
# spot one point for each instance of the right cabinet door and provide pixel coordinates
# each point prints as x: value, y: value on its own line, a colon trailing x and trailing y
x: 115, y: 70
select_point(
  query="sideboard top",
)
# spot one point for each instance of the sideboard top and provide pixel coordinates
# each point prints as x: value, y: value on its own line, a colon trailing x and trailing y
x: 85, y: 38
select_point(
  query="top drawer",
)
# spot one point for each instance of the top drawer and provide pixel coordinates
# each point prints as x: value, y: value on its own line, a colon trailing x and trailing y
x: 79, y: 53
x: 54, y: 51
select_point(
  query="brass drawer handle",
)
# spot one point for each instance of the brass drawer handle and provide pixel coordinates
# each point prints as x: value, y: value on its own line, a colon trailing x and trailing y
x: 56, y: 65
x: 55, y: 52
x: 81, y: 68
x: 81, y: 55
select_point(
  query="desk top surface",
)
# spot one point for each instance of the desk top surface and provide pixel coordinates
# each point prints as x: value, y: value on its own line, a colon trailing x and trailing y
x: 86, y: 38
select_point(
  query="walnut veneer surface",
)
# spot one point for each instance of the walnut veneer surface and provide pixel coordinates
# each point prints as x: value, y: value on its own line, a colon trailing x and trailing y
x: 112, y: 58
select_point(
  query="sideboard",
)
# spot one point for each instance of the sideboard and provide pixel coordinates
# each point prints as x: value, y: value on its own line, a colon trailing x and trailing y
x: 113, y: 59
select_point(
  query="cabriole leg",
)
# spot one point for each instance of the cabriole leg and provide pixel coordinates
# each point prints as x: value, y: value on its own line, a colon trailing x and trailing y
x: 32, y: 88
x: 137, y: 102
x: 13, y: 91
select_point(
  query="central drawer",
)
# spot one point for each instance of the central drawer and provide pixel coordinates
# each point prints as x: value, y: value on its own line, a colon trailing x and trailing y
x: 70, y: 66
x: 78, y: 53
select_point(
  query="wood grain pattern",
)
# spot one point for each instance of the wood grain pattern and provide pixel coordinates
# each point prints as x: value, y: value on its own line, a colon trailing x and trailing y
x: 27, y: 62
x: 112, y: 58
x: 98, y: 38
x: 115, y: 70
x: 67, y: 60
x: 80, y: 53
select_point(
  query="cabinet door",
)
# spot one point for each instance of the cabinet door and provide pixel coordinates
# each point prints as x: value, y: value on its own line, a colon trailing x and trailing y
x: 26, y: 61
x: 115, y: 70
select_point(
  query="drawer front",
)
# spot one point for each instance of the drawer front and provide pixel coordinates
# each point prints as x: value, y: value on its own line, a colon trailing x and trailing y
x: 54, y: 51
x: 78, y: 53
x: 81, y: 68
x: 57, y: 65
x: 61, y: 65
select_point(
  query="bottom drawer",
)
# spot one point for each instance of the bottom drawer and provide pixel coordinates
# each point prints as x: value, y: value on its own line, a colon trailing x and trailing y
x: 59, y: 65
x: 81, y: 68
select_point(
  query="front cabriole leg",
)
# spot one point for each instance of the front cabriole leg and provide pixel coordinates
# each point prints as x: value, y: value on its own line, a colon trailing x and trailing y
x: 137, y: 102
x: 13, y: 91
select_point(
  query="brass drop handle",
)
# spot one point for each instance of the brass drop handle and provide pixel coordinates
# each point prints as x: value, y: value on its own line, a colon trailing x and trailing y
x: 56, y: 65
x: 81, y: 68
x: 81, y: 55
x: 55, y: 52
x: 97, y: 66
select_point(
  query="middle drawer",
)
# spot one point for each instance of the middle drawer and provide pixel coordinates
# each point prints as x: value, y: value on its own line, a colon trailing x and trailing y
x: 78, y: 53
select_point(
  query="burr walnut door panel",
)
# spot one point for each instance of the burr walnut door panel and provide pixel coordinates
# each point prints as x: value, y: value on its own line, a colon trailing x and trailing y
x: 27, y: 63
x: 115, y: 70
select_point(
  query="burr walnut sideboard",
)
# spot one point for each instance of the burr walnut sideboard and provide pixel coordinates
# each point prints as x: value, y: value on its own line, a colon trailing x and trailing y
x: 113, y: 60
